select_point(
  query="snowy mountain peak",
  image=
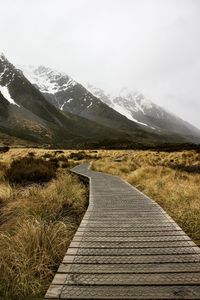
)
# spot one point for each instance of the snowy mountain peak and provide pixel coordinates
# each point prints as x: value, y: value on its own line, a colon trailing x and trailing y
x: 125, y: 102
x: 135, y: 98
x: 47, y: 80
x: 100, y: 94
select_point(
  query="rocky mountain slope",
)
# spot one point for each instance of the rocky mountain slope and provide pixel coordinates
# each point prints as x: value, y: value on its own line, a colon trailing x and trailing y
x: 27, y: 115
x: 70, y: 96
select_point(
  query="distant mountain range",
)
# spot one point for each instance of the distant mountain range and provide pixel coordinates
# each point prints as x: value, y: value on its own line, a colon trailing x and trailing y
x: 45, y: 107
x: 139, y: 109
x: 69, y: 95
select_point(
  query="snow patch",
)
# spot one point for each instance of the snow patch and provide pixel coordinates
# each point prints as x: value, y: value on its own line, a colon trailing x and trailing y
x: 61, y: 108
x: 143, y: 124
x: 89, y: 105
x: 5, y: 92
x: 68, y: 101
x: 123, y: 111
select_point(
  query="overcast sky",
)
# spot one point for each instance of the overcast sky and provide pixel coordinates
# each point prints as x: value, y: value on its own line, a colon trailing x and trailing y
x: 152, y: 46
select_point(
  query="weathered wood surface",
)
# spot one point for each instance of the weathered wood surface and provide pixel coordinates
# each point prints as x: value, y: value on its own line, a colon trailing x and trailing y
x: 127, y: 247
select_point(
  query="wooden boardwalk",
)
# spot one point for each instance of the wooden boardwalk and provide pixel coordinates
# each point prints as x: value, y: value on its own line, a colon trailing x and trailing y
x: 126, y: 247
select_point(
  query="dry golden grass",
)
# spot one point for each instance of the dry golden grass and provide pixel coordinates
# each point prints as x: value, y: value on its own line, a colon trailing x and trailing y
x: 15, y: 153
x: 37, y: 223
x: 178, y: 192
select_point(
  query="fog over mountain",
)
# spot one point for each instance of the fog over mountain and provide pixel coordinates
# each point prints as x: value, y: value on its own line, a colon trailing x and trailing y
x: 146, y: 45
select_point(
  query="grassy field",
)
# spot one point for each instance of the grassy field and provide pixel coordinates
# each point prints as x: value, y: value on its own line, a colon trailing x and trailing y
x: 42, y: 203
x: 41, y: 206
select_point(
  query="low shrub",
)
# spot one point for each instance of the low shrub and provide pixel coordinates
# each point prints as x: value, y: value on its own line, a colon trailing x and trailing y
x: 189, y: 169
x: 30, y: 170
x: 31, y: 154
x: 63, y: 158
x: 82, y: 155
x: 58, y: 152
x: 65, y: 165
x: 4, y: 149
x: 47, y: 155
x: 78, y: 155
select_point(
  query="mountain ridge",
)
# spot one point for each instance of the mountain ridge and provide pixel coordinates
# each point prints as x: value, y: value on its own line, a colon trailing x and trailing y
x: 131, y: 104
x: 52, y: 108
x: 25, y: 113
x: 136, y: 106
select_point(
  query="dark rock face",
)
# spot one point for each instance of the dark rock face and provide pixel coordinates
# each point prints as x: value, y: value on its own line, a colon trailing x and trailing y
x: 3, y: 108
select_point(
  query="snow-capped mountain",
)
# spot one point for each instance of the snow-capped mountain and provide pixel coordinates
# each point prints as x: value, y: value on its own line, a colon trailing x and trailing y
x: 129, y: 111
x: 70, y: 96
x: 26, y: 116
x: 48, y: 80
x: 58, y: 87
x: 136, y: 107
x: 126, y: 103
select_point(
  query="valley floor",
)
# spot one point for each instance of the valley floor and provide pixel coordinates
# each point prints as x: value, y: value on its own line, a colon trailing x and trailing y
x: 42, y: 203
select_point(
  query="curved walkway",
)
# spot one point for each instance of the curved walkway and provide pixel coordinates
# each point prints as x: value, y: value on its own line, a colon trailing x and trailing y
x: 126, y: 247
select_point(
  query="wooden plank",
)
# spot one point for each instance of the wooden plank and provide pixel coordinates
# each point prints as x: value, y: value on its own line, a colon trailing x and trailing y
x: 127, y: 279
x: 124, y: 259
x: 122, y: 229
x: 122, y: 244
x: 125, y: 239
x: 130, y: 292
x: 131, y: 251
x: 129, y: 268
x: 116, y: 233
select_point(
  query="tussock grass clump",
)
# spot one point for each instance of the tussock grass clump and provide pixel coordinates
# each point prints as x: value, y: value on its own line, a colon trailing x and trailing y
x: 2, y: 171
x: 63, y: 158
x: 4, y: 149
x: 78, y: 155
x: 82, y: 155
x: 31, y: 154
x: 30, y: 170
x: 30, y: 256
x: 48, y: 155
x: 39, y: 223
x: 190, y: 169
